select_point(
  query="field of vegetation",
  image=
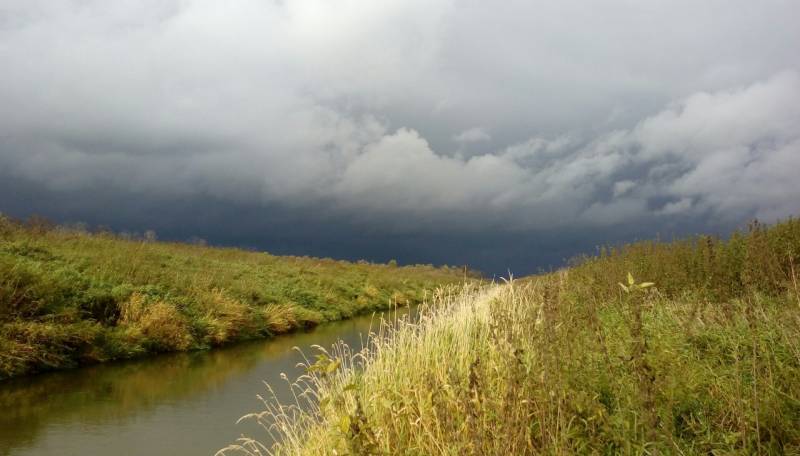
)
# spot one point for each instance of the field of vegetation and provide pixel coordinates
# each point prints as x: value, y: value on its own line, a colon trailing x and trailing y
x: 685, y: 347
x: 69, y: 297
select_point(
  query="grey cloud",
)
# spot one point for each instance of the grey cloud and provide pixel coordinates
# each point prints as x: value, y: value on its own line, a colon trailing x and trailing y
x: 598, y: 116
x: 730, y: 153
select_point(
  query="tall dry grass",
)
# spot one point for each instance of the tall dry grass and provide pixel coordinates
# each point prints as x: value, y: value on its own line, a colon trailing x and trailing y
x: 759, y: 258
x: 164, y: 328
x: 537, y: 368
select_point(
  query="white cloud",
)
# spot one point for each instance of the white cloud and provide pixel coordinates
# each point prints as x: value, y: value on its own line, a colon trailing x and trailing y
x: 698, y: 155
x: 623, y: 187
x: 476, y: 134
x: 676, y: 207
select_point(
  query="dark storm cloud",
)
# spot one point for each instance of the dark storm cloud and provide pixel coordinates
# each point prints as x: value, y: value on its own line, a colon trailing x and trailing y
x: 279, y: 230
x: 409, y: 117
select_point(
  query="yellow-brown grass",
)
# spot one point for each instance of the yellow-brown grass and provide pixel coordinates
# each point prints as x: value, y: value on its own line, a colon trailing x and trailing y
x: 163, y: 326
x: 539, y: 368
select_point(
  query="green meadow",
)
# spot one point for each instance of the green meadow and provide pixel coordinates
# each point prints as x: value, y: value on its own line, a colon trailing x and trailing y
x: 69, y: 297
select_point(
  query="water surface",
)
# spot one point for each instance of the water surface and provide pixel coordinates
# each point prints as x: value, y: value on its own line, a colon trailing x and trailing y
x: 180, y: 404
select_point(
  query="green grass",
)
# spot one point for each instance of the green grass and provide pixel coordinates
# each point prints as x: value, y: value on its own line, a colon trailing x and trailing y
x: 706, y: 361
x: 68, y: 297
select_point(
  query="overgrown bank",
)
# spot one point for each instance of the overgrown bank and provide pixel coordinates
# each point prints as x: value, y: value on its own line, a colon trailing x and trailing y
x: 69, y: 297
x: 705, y: 361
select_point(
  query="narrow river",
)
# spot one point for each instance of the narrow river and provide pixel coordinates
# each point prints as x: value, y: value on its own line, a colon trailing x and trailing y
x: 182, y: 404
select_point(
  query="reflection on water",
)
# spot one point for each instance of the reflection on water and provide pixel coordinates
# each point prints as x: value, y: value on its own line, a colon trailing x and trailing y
x: 182, y: 404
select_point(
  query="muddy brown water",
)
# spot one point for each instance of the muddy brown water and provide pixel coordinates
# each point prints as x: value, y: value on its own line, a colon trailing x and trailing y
x: 179, y: 404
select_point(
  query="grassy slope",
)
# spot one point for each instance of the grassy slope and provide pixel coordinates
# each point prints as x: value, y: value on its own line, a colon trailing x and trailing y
x: 705, y: 362
x: 69, y: 298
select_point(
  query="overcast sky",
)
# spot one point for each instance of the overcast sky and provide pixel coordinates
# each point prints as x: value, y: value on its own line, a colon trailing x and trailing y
x: 502, y: 134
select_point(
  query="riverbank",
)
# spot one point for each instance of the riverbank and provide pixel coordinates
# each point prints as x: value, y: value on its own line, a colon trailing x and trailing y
x: 141, y: 405
x: 590, y: 359
x: 69, y: 297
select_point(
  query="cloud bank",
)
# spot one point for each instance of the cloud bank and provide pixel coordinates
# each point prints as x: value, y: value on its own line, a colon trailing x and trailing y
x: 412, y: 115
